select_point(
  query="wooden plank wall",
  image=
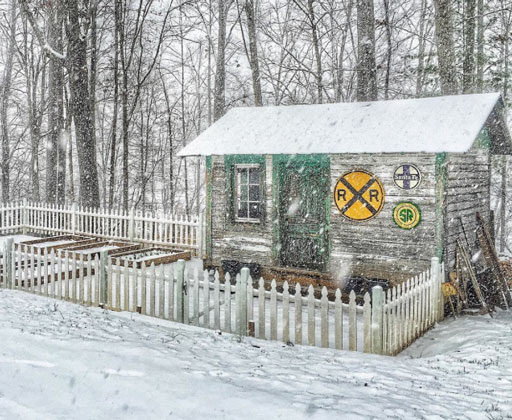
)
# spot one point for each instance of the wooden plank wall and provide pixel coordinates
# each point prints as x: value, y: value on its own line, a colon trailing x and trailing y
x: 467, y: 192
x: 246, y: 242
x: 378, y: 247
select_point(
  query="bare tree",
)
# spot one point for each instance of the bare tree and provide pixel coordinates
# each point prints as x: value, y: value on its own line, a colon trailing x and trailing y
x: 33, y: 65
x: 480, y: 57
x: 4, y: 102
x: 55, y: 152
x: 445, y: 46
x: 468, y: 66
x: 389, y: 48
x: 366, y: 65
x: 118, y: 32
x: 250, y: 12
x: 219, y: 96
x: 80, y: 97
x: 130, y: 55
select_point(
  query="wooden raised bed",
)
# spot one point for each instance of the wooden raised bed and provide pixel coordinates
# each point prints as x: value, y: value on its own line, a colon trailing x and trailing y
x: 150, y: 256
x: 91, y: 250
x: 55, y: 242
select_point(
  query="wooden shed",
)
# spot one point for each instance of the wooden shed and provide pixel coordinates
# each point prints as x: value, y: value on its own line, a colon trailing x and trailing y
x: 350, y: 189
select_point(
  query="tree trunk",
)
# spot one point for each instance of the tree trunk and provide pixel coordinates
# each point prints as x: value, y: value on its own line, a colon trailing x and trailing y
x: 35, y: 106
x: 445, y: 47
x: 366, y: 65
x: 4, y: 104
x: 67, y: 129
x: 503, y: 208
x: 219, y: 100
x: 480, y: 57
x: 468, y: 65
x: 253, y: 50
x: 171, y: 145
x: 316, y: 48
x: 93, y: 53
x: 506, y: 22
x: 389, y: 49
x: 421, y: 50
x: 55, y: 153
x: 113, y: 143
x: 82, y: 114
x: 340, y: 72
x: 124, y: 108
x: 183, y: 120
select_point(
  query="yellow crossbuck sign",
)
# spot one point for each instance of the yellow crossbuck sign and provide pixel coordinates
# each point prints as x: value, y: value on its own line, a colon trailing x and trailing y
x: 359, y: 195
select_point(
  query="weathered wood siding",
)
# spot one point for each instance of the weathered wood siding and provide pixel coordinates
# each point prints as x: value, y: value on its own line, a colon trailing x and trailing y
x: 378, y: 247
x: 246, y: 242
x: 466, y: 193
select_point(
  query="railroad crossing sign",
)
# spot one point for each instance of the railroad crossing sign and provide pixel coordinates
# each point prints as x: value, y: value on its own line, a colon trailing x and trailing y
x: 359, y: 195
x: 407, y: 177
x: 407, y: 215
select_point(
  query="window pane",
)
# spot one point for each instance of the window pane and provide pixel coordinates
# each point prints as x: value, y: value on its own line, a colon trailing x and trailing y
x: 254, y: 175
x: 254, y: 193
x: 242, y: 176
x: 242, y: 209
x: 243, y: 196
x: 254, y: 210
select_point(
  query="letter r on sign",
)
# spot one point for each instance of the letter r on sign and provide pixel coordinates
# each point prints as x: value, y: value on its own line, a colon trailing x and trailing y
x: 342, y: 195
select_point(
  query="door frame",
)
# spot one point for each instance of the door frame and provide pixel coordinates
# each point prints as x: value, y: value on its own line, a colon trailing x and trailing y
x: 278, y: 161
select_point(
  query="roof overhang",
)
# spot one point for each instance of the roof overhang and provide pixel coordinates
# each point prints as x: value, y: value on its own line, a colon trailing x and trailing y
x: 430, y: 125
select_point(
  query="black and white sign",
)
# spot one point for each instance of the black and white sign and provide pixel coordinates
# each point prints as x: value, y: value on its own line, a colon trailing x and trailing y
x: 407, y: 177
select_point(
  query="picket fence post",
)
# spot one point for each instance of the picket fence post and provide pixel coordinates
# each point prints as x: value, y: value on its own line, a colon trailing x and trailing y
x: 8, y: 269
x: 440, y: 292
x: 200, y: 236
x: 131, y: 224
x: 24, y: 227
x: 242, y: 301
x: 103, y: 276
x: 74, y: 209
x: 377, y: 319
x: 180, y: 279
x: 435, y: 273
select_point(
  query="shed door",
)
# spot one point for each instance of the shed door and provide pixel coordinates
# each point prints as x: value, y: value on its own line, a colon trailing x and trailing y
x: 303, y: 219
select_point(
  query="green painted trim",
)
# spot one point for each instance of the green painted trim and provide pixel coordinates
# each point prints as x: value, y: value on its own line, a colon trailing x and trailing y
x: 209, y: 189
x: 441, y: 176
x: 229, y: 164
x: 483, y: 140
x: 276, y: 214
x: 319, y: 160
x: 328, y: 215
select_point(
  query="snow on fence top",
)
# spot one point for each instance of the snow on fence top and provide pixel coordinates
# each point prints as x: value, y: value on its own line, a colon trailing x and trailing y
x: 431, y: 125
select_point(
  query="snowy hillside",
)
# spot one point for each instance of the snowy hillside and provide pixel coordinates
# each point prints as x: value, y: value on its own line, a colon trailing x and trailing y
x: 60, y: 360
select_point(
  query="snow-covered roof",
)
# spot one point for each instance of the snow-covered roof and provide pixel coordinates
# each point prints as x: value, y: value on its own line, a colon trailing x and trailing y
x: 437, y: 124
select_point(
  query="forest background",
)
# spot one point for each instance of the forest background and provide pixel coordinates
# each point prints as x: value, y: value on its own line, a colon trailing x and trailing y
x: 97, y: 96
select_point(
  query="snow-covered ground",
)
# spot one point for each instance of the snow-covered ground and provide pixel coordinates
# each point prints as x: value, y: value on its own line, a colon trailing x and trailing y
x: 62, y: 360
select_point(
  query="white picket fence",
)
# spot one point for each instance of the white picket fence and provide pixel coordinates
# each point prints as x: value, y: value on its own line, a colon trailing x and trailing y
x: 161, y: 229
x: 384, y: 324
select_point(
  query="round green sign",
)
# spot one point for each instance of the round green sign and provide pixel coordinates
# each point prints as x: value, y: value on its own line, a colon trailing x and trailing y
x: 407, y: 215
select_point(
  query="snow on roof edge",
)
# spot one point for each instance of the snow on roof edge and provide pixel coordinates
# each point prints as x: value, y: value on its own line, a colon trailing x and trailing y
x: 350, y: 127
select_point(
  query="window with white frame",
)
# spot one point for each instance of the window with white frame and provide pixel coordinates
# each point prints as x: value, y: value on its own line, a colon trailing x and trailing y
x: 247, y: 193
